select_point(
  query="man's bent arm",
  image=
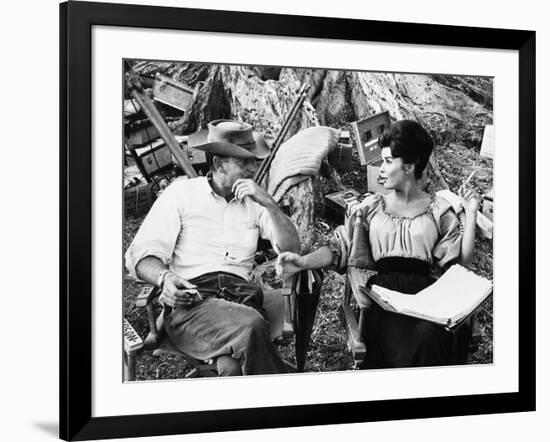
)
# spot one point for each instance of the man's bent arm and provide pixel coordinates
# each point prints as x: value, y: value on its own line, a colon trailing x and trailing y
x: 149, y: 268
x: 284, y: 232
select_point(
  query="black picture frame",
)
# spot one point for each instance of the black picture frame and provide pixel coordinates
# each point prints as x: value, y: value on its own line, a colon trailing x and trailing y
x: 76, y: 21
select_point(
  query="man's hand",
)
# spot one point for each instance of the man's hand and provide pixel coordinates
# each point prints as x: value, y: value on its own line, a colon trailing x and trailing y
x: 289, y: 263
x: 246, y: 187
x: 178, y: 292
x: 470, y: 199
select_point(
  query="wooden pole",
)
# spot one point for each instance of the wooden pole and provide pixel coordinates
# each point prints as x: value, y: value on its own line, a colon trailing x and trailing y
x: 134, y: 85
x: 264, y: 167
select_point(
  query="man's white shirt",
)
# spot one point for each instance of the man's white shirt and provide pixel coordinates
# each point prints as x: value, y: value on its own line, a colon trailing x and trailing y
x: 195, y: 231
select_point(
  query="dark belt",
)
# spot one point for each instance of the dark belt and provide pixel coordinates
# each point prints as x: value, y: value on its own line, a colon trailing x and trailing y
x: 402, y: 265
x: 216, y: 274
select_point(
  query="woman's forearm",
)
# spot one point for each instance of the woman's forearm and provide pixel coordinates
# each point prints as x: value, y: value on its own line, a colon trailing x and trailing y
x: 468, y: 239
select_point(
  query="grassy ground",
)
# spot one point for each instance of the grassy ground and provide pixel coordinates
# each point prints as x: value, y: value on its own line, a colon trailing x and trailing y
x: 328, y: 348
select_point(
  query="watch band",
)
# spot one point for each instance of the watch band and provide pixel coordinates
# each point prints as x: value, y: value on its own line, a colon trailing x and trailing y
x: 162, y: 275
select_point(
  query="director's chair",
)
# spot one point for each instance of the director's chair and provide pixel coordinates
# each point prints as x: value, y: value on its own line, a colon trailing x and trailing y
x: 356, y: 305
x: 290, y: 310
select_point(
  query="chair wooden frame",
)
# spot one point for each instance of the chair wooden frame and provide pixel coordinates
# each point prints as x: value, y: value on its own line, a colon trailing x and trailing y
x: 355, y: 289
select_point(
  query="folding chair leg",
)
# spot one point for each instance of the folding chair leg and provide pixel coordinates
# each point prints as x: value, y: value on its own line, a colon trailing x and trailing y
x: 362, y: 323
x: 129, y: 366
x: 306, y: 307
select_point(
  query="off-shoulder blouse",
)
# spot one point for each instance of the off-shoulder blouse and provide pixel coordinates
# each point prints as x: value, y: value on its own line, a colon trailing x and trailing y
x: 434, y: 236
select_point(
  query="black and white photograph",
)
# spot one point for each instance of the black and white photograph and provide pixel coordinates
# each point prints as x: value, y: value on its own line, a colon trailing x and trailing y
x: 272, y: 221
x: 275, y: 221
x: 282, y: 220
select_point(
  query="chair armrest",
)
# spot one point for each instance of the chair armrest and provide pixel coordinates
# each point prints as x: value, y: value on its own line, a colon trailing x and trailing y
x: 358, y: 279
x: 132, y: 341
x: 147, y: 295
x: 145, y: 299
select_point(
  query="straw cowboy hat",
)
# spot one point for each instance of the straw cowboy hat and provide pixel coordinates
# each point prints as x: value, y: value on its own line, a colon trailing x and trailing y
x: 230, y: 138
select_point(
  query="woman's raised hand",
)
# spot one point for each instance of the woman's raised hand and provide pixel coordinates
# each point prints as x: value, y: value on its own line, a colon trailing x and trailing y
x: 289, y: 263
x: 470, y: 198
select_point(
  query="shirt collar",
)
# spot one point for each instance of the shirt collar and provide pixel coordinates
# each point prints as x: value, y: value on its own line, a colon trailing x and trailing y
x: 229, y: 198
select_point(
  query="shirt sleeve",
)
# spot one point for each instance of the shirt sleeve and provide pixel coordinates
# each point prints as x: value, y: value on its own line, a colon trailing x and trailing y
x: 447, y: 250
x: 265, y: 224
x: 340, y: 241
x: 339, y: 245
x: 158, y: 233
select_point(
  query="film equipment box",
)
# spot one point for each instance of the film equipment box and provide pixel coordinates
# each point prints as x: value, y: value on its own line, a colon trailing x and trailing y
x: 141, y: 136
x: 138, y: 199
x: 337, y: 204
x: 153, y: 157
x: 366, y: 133
x: 340, y: 158
x: 172, y: 93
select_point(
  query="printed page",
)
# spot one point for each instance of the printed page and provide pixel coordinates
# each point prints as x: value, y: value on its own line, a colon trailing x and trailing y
x: 452, y: 296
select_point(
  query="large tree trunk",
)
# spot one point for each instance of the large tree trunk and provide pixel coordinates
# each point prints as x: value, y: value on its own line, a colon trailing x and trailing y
x: 211, y: 103
x: 238, y: 92
x: 300, y: 200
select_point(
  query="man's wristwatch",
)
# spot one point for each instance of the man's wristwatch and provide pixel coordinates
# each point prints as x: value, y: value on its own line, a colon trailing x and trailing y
x: 162, y: 275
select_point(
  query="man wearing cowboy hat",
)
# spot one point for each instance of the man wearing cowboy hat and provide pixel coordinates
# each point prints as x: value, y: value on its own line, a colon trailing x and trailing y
x: 198, y: 242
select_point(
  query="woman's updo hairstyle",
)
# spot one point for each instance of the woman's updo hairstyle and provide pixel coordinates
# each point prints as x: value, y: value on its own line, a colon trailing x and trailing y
x: 409, y: 141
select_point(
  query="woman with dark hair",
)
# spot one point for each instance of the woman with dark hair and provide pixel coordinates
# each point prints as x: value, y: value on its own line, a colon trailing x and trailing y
x: 408, y: 230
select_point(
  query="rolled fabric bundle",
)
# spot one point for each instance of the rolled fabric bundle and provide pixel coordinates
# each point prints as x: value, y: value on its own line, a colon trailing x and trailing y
x: 300, y: 157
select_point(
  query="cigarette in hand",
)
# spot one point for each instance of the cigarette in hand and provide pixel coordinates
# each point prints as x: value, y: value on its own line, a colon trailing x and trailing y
x: 470, y: 177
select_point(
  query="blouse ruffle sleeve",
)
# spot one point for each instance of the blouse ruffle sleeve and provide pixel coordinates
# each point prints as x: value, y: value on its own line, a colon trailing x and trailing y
x: 340, y: 241
x: 447, y: 249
